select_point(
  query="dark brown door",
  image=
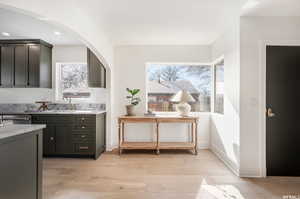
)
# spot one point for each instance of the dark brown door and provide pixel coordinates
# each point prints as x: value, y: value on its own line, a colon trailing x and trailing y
x: 283, y: 111
x: 7, y: 65
x: 21, y: 66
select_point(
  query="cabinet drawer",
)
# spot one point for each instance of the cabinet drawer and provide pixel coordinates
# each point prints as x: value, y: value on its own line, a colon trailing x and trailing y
x: 83, y: 138
x: 84, y: 127
x: 66, y: 120
x: 84, y: 148
x: 85, y: 119
x: 37, y: 119
x: 53, y: 119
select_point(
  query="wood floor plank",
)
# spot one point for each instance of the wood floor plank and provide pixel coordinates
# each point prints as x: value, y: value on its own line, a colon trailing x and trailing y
x: 171, y: 175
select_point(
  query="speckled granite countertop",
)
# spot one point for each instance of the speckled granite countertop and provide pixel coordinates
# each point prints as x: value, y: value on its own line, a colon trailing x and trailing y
x: 72, y: 112
x: 11, y: 130
x: 58, y: 112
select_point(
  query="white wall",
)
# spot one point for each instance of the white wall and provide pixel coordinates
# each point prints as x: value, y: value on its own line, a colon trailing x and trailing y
x: 130, y: 63
x: 25, y: 95
x: 254, y: 32
x: 225, y: 128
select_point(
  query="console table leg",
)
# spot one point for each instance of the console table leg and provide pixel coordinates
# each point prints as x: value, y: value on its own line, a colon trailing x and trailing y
x: 192, y: 133
x: 157, y: 152
x: 123, y: 129
x: 119, y: 130
x: 157, y: 138
x: 196, y: 138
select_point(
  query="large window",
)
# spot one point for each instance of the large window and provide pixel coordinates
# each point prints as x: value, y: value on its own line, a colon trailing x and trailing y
x: 165, y: 80
x: 219, y: 87
x: 72, y: 81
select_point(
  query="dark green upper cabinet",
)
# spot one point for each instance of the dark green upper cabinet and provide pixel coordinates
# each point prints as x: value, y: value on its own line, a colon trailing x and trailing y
x: 6, y: 69
x: 25, y: 63
x: 96, y: 71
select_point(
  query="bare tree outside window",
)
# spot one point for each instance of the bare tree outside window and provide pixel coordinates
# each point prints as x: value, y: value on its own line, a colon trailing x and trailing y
x: 165, y: 80
x: 74, y: 80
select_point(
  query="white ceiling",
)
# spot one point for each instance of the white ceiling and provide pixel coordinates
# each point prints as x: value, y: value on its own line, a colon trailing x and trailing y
x: 164, y: 22
x: 275, y: 8
x: 151, y: 22
x: 21, y: 26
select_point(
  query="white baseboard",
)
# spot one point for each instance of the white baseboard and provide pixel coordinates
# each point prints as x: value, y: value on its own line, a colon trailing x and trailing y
x: 203, y: 145
x: 111, y: 147
x: 223, y: 157
x: 249, y: 174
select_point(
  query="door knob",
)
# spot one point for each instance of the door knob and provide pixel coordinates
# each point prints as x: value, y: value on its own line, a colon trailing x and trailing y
x: 270, y: 113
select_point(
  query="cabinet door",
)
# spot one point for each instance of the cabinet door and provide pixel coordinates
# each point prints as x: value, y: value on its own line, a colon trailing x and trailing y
x: 7, y: 65
x: 21, y: 66
x: 102, y: 127
x: 34, y: 65
x: 100, y: 135
x: 45, y: 67
x: 96, y: 71
x: 63, y: 139
x: 49, y: 140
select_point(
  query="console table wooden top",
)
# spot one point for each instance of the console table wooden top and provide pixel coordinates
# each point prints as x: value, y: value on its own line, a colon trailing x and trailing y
x: 157, y: 145
x: 158, y: 118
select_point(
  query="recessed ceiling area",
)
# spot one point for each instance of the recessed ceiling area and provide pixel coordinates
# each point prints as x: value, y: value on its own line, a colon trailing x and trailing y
x: 15, y: 25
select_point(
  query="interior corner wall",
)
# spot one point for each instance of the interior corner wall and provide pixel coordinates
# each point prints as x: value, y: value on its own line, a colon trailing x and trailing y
x: 224, y: 140
x: 254, y: 31
x: 130, y: 72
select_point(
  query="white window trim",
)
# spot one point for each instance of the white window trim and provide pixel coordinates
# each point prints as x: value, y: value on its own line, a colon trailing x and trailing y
x: 214, y: 63
x: 58, y: 90
x: 177, y: 63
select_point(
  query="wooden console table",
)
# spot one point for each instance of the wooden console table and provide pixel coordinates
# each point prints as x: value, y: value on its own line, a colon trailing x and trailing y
x: 157, y: 145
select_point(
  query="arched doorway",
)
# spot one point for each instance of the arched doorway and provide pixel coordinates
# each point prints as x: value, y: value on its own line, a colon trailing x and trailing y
x: 87, y: 41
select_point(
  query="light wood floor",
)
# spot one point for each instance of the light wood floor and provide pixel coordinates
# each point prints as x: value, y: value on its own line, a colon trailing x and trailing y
x: 170, y: 175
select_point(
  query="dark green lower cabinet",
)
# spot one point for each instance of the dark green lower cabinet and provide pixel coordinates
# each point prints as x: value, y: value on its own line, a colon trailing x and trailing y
x: 73, y: 135
x: 21, y: 166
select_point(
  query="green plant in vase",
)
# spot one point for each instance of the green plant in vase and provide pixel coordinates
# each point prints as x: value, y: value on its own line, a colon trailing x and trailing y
x: 134, y: 100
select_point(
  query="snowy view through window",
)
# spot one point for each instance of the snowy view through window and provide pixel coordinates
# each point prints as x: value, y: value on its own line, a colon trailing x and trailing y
x: 166, y: 80
x: 74, y: 80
